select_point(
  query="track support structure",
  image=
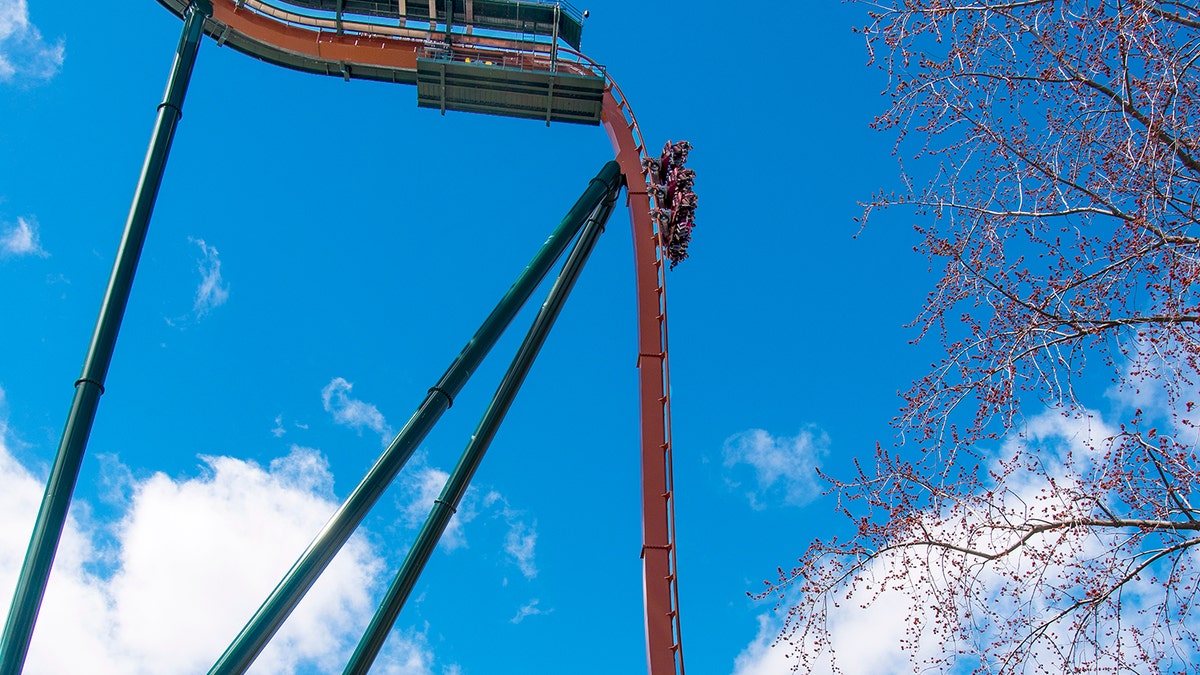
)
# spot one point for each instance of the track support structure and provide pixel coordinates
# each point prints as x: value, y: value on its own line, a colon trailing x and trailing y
x: 246, y: 647
x: 52, y: 515
x: 456, y: 485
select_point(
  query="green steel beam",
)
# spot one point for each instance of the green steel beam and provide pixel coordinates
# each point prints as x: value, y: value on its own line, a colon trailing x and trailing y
x: 304, y: 572
x: 452, y: 493
x: 47, y: 530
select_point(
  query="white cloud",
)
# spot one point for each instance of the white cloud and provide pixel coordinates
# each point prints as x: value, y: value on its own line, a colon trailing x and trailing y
x: 519, y: 545
x: 278, y: 431
x: 760, y: 657
x: 351, y: 411
x: 421, y: 485
x: 784, y: 469
x: 22, y: 239
x: 897, y: 617
x: 24, y: 55
x: 1154, y: 380
x: 212, y: 291
x: 193, y: 559
x: 167, y: 563
x: 521, y: 539
x: 863, y: 640
x: 409, y: 655
x: 530, y: 609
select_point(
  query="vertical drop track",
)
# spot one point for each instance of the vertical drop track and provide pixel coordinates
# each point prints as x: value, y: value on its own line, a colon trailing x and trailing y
x: 659, y: 570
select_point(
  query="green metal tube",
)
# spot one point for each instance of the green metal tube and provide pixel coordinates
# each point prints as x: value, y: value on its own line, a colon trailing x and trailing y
x: 304, y: 572
x: 47, y: 530
x: 456, y: 486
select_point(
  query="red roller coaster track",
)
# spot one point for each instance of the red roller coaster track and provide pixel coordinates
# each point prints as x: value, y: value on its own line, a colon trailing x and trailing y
x: 367, y: 48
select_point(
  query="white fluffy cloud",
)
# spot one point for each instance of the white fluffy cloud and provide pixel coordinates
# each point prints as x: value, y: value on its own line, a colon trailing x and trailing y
x: 881, y: 637
x: 192, y: 559
x: 351, y: 411
x: 24, y: 54
x: 212, y: 291
x: 864, y: 641
x: 783, y: 468
x: 421, y: 485
x: 21, y: 239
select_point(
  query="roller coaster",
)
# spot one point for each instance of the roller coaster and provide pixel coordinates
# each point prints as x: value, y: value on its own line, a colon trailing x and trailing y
x: 498, y: 57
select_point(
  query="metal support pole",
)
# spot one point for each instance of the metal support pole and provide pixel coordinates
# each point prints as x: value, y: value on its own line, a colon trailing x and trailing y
x: 554, y: 38
x: 304, y: 572
x: 452, y: 493
x: 47, y: 530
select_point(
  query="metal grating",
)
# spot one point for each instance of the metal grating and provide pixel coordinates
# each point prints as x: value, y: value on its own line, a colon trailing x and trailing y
x: 473, y: 87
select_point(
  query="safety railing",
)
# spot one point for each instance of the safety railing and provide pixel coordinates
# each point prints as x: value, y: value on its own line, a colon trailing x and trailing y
x: 397, y: 26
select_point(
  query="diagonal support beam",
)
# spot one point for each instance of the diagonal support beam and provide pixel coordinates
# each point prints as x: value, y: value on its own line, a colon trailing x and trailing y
x: 456, y: 485
x: 270, y: 616
x: 52, y: 515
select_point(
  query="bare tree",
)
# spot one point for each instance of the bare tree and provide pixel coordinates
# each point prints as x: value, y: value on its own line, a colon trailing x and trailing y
x: 1060, y: 155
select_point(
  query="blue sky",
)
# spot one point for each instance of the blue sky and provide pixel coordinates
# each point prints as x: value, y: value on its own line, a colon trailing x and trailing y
x: 319, y: 253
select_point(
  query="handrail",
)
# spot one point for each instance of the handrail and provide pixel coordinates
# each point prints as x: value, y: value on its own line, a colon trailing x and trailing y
x: 531, y: 55
x: 359, y: 27
x: 364, y: 24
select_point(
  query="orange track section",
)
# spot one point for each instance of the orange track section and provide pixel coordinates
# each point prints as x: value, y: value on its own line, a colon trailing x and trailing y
x: 658, y: 544
x: 658, y: 536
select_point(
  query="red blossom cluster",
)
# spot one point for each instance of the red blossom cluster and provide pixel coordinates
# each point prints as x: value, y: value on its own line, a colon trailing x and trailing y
x: 675, y: 202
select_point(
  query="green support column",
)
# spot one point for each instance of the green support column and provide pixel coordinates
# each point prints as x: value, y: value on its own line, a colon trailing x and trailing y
x: 456, y: 485
x: 304, y: 572
x: 47, y: 530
